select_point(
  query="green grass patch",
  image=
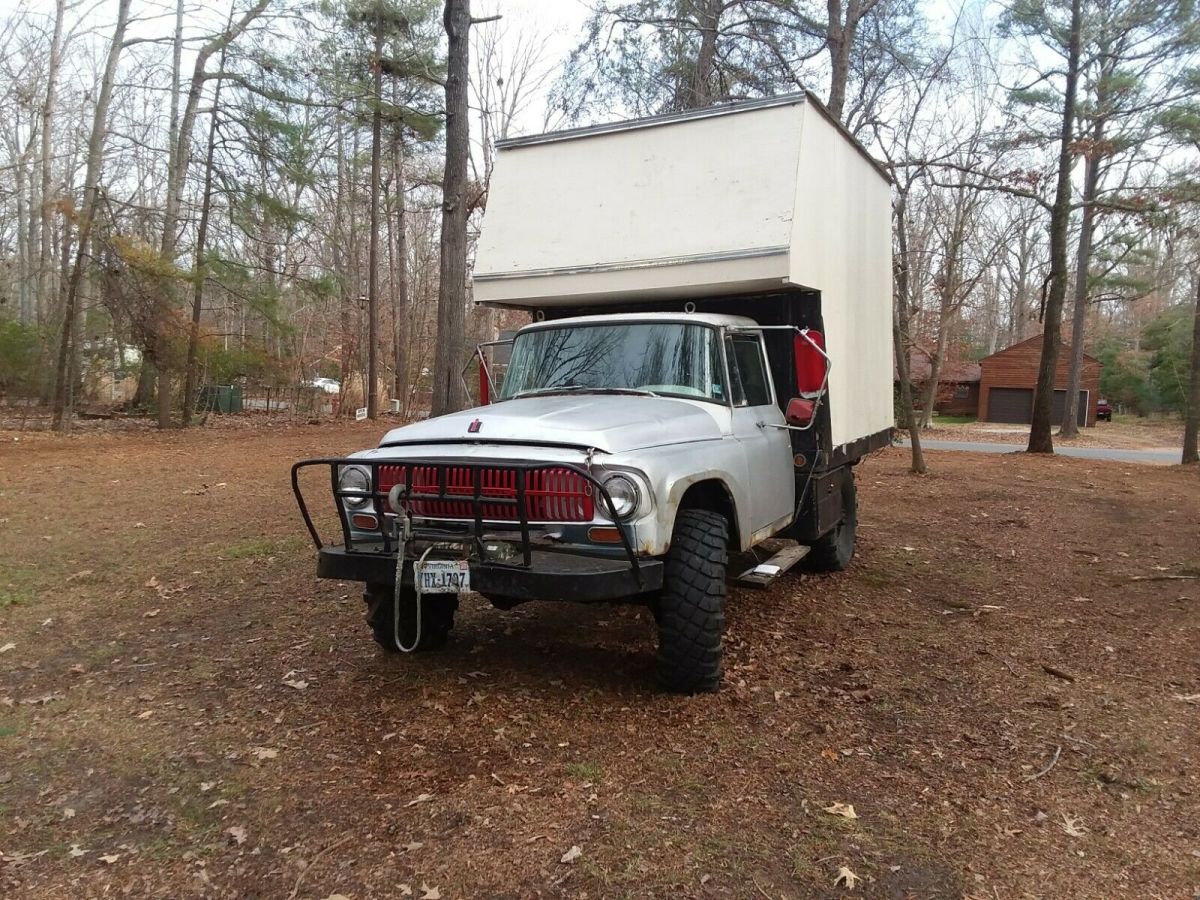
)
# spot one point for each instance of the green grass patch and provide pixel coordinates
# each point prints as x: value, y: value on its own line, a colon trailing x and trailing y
x: 16, y: 585
x: 583, y: 771
x: 14, y: 596
x: 955, y: 420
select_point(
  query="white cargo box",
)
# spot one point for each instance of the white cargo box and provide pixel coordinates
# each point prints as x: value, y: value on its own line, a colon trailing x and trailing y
x: 739, y: 199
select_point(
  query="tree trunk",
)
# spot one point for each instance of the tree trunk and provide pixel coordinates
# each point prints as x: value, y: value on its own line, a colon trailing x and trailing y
x: 193, y: 348
x: 1191, y: 426
x: 900, y: 336
x: 47, y: 211
x: 402, y: 302
x: 452, y: 290
x: 840, y: 33
x: 91, y: 193
x: 373, y: 253
x: 1083, y: 261
x: 700, y: 93
x: 1040, y: 438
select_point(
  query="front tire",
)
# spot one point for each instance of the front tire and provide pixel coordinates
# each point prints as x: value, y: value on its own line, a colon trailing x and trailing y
x: 437, y: 617
x: 832, y: 552
x: 691, y: 607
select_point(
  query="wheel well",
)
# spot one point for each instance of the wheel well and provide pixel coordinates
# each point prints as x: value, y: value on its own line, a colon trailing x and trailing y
x: 715, y: 497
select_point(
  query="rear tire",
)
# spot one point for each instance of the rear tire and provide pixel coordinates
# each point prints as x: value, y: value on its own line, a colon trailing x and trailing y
x: 832, y: 552
x: 691, y: 607
x: 437, y: 617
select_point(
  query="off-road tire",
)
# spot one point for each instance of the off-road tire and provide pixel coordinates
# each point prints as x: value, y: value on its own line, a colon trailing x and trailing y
x: 832, y: 552
x: 437, y: 617
x: 691, y: 607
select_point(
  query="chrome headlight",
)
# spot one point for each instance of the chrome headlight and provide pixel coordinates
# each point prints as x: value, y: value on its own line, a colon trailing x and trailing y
x: 625, y: 496
x: 355, y: 478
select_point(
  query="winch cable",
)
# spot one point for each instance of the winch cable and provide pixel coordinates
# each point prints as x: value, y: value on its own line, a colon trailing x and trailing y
x: 402, y: 533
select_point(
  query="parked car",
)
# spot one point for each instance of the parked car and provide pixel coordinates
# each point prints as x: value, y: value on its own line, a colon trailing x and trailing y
x: 328, y: 385
x: 1104, y: 411
x: 709, y: 358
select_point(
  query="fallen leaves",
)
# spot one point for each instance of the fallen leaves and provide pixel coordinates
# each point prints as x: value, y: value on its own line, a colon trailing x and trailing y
x: 846, y: 878
x: 1073, y: 826
x: 571, y: 855
x: 7, y: 647
x: 264, y: 752
x: 420, y: 798
x: 237, y: 834
x: 845, y: 810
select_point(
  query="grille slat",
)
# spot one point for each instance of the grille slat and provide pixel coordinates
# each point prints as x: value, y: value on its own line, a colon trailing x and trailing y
x: 551, y: 494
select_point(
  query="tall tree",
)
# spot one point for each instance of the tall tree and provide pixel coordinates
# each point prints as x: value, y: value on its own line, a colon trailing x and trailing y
x: 180, y: 153
x: 53, y: 64
x: 448, y: 394
x: 1043, y: 20
x: 1182, y: 123
x: 91, y: 196
x: 1129, y: 49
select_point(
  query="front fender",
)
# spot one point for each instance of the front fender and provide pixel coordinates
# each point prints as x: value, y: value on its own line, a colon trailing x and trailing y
x: 671, y: 472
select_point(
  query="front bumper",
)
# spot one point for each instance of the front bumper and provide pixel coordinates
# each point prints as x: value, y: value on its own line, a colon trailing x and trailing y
x: 550, y: 576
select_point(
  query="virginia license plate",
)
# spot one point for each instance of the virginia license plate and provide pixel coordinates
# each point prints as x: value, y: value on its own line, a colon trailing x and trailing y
x: 442, y: 576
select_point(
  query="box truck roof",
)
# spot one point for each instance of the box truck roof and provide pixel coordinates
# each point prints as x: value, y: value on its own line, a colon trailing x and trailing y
x: 730, y: 199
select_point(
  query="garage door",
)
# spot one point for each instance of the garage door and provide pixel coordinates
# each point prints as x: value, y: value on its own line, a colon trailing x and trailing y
x: 1059, y: 408
x: 1012, y: 405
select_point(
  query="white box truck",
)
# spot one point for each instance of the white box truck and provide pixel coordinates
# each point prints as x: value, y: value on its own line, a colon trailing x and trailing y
x: 709, y: 356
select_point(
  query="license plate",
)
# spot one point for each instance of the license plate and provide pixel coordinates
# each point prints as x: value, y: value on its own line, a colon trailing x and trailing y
x: 442, y: 576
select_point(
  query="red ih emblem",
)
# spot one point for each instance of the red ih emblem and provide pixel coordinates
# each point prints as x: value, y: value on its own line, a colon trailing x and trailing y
x: 473, y: 428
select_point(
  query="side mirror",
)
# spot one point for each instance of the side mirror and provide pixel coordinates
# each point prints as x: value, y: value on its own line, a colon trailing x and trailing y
x: 800, y: 412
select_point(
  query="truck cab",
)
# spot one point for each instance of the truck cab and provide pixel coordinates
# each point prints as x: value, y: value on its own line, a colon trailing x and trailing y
x: 659, y: 413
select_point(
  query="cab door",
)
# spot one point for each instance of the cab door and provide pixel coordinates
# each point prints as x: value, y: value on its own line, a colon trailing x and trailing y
x: 767, y: 449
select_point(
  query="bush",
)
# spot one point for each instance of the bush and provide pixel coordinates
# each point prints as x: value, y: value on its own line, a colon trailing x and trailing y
x: 20, y: 358
x: 1168, y: 338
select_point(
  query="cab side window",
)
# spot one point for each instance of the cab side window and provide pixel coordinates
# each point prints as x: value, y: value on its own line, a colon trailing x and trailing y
x: 748, y: 370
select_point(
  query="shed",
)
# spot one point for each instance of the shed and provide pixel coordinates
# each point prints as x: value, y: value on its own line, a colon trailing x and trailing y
x: 1008, y: 379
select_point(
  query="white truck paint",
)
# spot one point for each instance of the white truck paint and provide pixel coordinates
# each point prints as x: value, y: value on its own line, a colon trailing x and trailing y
x: 728, y: 200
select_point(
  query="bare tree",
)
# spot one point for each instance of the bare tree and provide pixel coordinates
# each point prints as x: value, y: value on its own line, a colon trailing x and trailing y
x: 448, y: 394
x: 91, y: 187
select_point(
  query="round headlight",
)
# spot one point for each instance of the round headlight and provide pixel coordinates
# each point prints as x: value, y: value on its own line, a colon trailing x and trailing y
x: 624, y: 493
x: 355, y: 478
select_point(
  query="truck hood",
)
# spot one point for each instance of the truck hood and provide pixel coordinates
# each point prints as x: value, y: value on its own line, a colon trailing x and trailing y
x: 613, y: 423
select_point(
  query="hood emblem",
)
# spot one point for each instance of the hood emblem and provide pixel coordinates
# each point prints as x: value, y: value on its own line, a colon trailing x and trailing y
x: 474, y: 427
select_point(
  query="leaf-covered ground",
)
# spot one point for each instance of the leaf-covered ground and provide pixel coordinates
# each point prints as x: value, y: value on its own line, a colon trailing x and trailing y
x: 1000, y: 699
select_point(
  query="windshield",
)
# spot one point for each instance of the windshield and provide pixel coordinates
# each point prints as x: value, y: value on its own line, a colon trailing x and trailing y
x: 672, y: 358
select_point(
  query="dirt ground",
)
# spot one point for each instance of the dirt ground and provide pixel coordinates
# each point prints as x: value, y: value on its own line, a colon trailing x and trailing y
x: 1004, y: 686
x: 1123, y: 433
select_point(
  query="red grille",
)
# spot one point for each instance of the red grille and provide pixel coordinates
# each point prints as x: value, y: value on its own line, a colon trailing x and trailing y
x: 551, y: 495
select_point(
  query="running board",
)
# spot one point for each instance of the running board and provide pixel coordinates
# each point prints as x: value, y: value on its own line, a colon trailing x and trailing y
x: 764, y: 574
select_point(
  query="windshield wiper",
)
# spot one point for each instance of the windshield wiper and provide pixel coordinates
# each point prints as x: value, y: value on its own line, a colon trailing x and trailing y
x: 583, y: 389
